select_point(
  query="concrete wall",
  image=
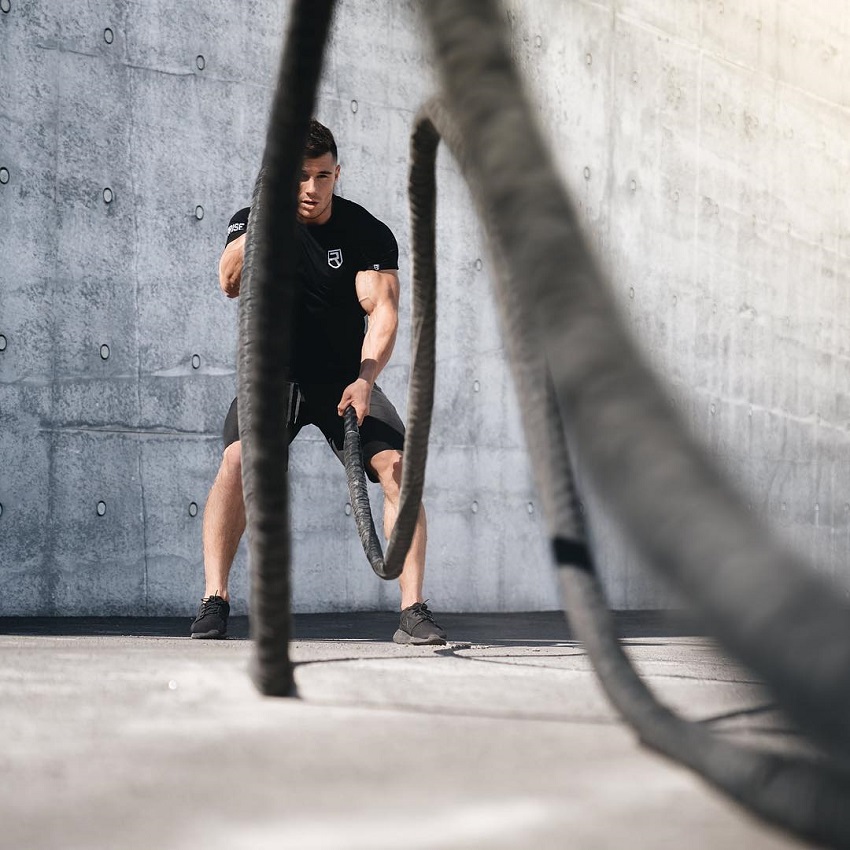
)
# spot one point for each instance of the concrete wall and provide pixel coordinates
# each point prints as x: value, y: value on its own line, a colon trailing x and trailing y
x: 705, y: 143
x: 707, y: 146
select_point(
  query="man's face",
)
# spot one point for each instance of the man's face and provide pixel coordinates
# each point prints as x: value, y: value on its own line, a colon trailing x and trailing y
x: 318, y: 178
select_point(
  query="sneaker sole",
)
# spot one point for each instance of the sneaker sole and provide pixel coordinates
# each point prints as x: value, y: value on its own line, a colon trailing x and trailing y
x: 215, y: 634
x: 403, y: 637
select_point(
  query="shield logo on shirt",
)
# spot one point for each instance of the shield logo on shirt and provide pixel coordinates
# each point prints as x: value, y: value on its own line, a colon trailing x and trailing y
x: 335, y: 258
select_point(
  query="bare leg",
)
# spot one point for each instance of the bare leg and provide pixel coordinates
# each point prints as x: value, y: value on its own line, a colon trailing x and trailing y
x: 387, y: 466
x: 224, y: 522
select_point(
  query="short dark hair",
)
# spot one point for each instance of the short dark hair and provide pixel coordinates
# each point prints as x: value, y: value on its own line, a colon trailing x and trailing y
x: 320, y: 140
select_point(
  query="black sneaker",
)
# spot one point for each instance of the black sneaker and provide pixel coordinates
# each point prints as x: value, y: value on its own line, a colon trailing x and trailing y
x: 417, y: 626
x: 211, y: 621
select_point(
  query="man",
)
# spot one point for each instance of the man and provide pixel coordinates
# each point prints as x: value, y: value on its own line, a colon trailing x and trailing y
x: 347, y: 270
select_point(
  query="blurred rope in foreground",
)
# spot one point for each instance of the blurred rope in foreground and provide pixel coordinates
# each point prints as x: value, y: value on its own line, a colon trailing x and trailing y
x: 586, y: 391
x: 265, y: 310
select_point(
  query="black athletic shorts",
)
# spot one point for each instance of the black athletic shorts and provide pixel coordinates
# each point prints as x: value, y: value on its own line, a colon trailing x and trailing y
x: 315, y: 404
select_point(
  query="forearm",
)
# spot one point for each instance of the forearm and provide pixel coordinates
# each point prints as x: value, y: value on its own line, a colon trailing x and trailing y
x: 379, y: 342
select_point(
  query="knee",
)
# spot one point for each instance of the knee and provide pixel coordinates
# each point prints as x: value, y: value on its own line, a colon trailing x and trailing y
x: 388, y: 470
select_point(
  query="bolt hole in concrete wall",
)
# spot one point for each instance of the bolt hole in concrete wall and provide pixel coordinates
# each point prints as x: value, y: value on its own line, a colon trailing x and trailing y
x: 705, y: 153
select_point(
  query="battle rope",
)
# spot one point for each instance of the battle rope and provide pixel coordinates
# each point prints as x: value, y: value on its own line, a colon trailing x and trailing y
x: 769, y: 609
x: 548, y: 266
x: 420, y: 399
x: 266, y: 297
x: 265, y: 309
x: 359, y: 494
x: 590, y: 370
x: 802, y: 796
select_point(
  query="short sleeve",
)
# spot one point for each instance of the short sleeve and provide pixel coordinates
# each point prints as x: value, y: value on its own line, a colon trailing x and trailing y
x: 382, y: 249
x: 238, y: 224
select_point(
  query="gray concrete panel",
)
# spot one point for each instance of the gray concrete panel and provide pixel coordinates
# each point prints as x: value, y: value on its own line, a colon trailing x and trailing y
x: 329, y: 569
x: 187, y: 399
x: 726, y: 248
x: 95, y: 535
x: 28, y: 136
x: 25, y: 514
x: 174, y: 479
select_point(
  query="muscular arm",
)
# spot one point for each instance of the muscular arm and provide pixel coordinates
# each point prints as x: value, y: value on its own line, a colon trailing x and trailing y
x: 230, y: 267
x: 378, y: 293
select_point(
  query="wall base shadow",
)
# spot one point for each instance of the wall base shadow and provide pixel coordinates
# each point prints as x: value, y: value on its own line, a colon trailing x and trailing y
x: 536, y: 627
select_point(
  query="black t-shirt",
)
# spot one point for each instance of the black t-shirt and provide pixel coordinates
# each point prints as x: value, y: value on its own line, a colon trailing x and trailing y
x: 328, y: 326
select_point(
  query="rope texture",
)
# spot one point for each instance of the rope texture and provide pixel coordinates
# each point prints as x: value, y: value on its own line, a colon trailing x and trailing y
x: 358, y: 492
x: 265, y: 308
x: 806, y: 797
x: 420, y: 401
x: 769, y: 609
x: 569, y: 354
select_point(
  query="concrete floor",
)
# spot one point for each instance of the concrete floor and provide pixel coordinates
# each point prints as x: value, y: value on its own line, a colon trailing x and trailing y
x: 124, y: 734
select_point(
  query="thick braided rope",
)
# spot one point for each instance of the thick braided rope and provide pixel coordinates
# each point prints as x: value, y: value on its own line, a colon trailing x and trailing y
x: 359, y: 494
x: 807, y: 797
x: 799, y: 795
x: 420, y: 399
x: 767, y: 608
x: 772, y: 769
x: 265, y: 308
x: 420, y: 402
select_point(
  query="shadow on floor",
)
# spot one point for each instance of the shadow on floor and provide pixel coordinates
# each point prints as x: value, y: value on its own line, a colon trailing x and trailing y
x: 538, y: 627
